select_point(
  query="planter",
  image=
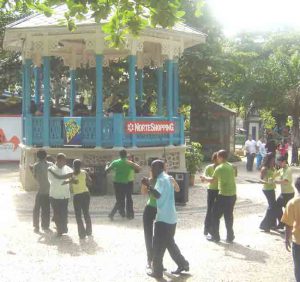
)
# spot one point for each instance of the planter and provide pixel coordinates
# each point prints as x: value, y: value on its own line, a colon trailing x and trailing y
x: 192, y: 180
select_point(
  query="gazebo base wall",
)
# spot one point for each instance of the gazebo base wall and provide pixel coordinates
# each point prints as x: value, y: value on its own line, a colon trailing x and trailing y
x: 97, y: 157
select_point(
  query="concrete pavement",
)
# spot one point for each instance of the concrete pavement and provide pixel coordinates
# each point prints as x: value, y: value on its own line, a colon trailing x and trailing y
x: 117, y: 252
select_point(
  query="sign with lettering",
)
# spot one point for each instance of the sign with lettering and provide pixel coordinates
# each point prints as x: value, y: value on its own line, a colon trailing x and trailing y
x: 10, y: 137
x: 72, y: 130
x: 149, y: 127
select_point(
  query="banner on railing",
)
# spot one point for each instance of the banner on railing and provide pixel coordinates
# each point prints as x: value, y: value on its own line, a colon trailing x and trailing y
x: 72, y: 130
x: 150, y: 127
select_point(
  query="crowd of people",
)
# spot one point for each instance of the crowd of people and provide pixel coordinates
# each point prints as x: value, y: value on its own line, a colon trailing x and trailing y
x: 56, y: 182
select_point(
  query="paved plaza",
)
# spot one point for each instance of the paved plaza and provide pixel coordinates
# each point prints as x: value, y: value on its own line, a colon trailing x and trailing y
x: 117, y: 251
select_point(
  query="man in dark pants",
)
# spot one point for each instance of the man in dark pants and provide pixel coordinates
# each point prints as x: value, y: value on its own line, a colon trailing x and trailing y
x: 250, y: 147
x: 59, y: 193
x: 165, y: 225
x: 224, y: 175
x: 123, y: 183
x: 42, y: 202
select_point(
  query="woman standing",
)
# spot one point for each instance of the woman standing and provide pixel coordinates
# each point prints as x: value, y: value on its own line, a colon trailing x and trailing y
x: 267, y: 176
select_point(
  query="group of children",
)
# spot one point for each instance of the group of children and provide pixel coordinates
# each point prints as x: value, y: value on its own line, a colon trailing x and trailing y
x: 55, y: 181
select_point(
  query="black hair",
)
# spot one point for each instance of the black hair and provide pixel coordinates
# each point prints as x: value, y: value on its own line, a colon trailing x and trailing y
x: 267, y: 160
x: 157, y: 168
x: 77, y: 165
x: 214, y: 157
x: 150, y: 160
x: 123, y: 154
x: 297, y: 184
x: 41, y: 154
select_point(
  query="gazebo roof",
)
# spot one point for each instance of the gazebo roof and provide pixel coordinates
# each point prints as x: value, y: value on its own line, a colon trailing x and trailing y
x: 37, y: 35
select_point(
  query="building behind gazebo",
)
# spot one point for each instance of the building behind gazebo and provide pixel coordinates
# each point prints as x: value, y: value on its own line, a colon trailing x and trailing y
x: 39, y: 38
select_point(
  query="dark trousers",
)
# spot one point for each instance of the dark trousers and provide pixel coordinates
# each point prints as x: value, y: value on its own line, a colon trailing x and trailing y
x: 81, y: 204
x: 224, y: 205
x: 123, y: 191
x: 42, y: 204
x: 250, y: 160
x: 164, y: 239
x: 148, y: 221
x: 270, y: 217
x: 281, y: 203
x: 211, y: 199
x: 296, y: 258
x: 60, y: 214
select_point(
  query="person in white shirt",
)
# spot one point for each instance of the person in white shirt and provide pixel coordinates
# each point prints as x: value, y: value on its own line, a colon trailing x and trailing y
x: 250, y: 147
x: 60, y: 193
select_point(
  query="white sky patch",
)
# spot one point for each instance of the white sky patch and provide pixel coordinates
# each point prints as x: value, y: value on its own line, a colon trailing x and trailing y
x: 255, y: 15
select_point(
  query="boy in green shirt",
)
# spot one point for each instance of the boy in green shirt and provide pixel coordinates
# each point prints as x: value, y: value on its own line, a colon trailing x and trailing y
x: 224, y: 176
x: 123, y: 184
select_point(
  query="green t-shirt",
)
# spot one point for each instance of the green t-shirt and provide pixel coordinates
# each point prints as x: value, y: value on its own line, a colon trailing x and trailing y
x: 225, y: 174
x: 123, y: 171
x: 269, y: 177
x: 209, y: 172
x: 286, y: 174
x: 152, y: 201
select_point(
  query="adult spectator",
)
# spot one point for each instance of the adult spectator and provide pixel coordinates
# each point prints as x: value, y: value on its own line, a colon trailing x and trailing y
x: 250, y: 147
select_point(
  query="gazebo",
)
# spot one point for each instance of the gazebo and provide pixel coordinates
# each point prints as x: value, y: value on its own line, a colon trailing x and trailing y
x: 39, y: 38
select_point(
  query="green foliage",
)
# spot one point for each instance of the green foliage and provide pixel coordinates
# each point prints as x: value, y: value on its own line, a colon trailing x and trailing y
x: 268, y: 119
x: 194, y: 157
x: 120, y: 16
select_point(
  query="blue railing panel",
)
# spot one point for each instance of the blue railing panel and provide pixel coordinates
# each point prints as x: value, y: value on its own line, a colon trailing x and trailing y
x: 107, y: 132
x: 88, y: 131
x: 56, y: 131
x: 37, y: 130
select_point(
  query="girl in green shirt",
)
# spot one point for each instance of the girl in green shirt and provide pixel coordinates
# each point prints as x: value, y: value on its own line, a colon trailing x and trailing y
x: 267, y: 176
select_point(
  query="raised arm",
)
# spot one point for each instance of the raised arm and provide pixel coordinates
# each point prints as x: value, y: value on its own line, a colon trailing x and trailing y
x: 175, y: 184
x: 134, y: 165
x: 65, y: 176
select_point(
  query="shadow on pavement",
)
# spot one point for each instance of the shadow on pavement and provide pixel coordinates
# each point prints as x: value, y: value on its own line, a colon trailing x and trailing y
x: 177, y: 278
x: 65, y: 244
x: 238, y: 251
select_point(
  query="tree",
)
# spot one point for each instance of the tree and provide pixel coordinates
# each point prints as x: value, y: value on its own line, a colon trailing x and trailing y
x: 120, y: 16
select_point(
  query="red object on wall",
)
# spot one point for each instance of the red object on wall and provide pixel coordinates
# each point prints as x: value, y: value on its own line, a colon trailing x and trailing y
x: 149, y: 127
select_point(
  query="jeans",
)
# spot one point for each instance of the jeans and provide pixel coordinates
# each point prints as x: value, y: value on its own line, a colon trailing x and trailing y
x: 128, y: 197
x: 60, y: 214
x: 224, y: 205
x: 164, y: 239
x: 296, y: 258
x: 270, y: 217
x: 81, y: 203
x: 42, y: 203
x: 148, y: 221
x: 258, y: 161
x: 250, y: 160
x: 123, y: 191
x: 281, y: 203
x: 211, y: 199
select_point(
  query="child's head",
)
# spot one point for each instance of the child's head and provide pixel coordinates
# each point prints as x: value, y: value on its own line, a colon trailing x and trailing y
x: 297, y: 184
x: 41, y: 154
x: 77, y: 165
x: 123, y: 154
x: 214, y: 158
x: 222, y: 156
x: 60, y: 160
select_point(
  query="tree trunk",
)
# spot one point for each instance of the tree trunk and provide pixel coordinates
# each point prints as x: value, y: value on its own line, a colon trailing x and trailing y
x: 295, y: 140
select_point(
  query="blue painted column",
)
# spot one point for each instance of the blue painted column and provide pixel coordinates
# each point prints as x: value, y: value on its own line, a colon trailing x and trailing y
x: 140, y: 86
x: 169, y: 66
x: 27, y: 102
x: 132, y: 90
x: 46, y: 109
x: 37, y: 85
x: 176, y: 89
x: 160, y: 77
x: 72, y: 91
x: 23, y: 104
x: 99, y: 99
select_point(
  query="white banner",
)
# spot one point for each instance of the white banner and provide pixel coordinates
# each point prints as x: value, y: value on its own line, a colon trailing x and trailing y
x: 10, y: 137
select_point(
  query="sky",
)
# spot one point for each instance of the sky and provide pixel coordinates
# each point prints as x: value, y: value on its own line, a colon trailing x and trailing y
x: 255, y: 15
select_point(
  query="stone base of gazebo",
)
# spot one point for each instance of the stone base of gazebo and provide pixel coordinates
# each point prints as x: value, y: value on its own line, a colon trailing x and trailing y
x: 97, y: 157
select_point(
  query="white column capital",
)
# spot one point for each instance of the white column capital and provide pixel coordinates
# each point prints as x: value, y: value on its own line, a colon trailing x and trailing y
x: 134, y: 46
x: 171, y: 49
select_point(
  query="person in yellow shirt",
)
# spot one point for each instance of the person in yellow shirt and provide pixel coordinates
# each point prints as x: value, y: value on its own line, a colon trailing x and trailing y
x: 291, y: 219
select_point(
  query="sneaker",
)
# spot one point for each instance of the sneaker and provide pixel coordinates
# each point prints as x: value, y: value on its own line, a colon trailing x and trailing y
x: 213, y: 238
x: 36, y: 230
x: 185, y: 267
